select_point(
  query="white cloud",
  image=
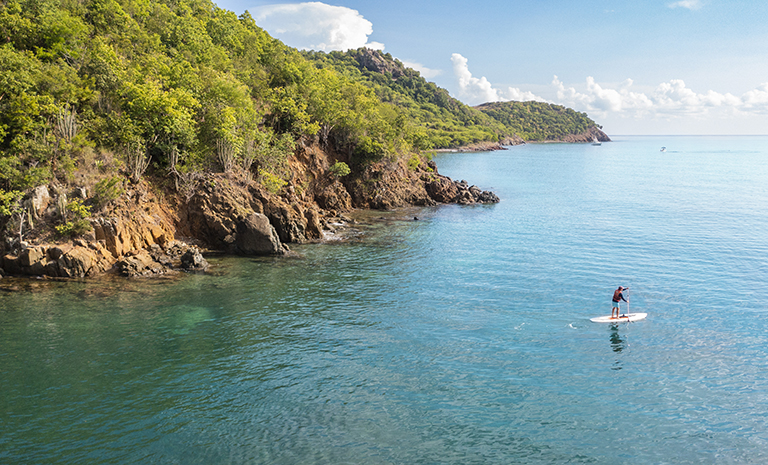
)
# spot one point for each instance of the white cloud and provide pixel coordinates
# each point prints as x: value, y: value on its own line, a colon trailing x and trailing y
x: 425, y: 72
x: 668, y: 100
x: 475, y: 91
x: 756, y: 101
x: 690, y: 4
x: 670, y: 107
x: 316, y: 26
x: 601, y: 100
x: 513, y: 93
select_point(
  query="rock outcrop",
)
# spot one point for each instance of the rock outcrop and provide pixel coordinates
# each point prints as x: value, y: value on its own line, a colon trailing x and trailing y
x: 591, y: 135
x: 159, y: 260
x: 140, y: 234
x: 75, y: 260
x: 445, y: 190
x: 256, y: 236
x: 487, y: 146
x: 38, y: 201
x: 375, y: 61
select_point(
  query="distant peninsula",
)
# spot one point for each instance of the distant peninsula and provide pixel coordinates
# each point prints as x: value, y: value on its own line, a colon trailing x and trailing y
x: 137, y: 135
x: 544, y: 122
x: 449, y: 123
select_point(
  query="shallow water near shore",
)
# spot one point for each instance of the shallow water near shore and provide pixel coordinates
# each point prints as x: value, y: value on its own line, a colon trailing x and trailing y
x: 463, y: 337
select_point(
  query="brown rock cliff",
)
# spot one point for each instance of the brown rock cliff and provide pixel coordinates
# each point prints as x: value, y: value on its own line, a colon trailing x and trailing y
x: 147, y: 231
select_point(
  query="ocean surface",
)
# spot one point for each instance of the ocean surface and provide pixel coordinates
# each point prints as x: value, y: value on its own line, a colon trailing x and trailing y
x: 462, y: 337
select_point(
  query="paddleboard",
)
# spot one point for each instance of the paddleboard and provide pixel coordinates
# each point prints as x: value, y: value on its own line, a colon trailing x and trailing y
x: 621, y: 319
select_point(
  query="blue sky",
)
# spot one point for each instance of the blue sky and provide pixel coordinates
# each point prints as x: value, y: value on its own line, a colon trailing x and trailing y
x: 636, y: 67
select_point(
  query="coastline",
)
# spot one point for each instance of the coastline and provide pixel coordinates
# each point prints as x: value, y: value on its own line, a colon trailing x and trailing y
x: 149, y: 232
x: 589, y: 136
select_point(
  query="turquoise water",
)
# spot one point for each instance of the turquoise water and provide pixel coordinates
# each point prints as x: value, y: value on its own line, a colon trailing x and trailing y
x: 463, y: 337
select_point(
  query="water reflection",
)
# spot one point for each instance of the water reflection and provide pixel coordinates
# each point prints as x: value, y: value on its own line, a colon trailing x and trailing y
x: 618, y: 344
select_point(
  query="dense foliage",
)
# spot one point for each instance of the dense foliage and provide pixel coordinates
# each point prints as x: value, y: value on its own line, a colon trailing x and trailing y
x: 538, y: 121
x: 94, y: 89
x: 168, y: 86
x: 443, y: 121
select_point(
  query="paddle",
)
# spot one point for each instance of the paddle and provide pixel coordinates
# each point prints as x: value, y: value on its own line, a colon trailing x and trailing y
x: 628, y: 319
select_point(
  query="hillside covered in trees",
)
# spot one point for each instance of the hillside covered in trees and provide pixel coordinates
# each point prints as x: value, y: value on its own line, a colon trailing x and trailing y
x: 448, y: 122
x: 185, y: 86
x: 125, y: 124
x: 178, y: 86
x: 538, y: 121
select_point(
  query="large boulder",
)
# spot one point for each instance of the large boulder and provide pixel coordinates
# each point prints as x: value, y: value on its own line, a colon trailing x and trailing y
x: 229, y: 217
x: 139, y: 264
x: 31, y: 255
x: 288, y: 220
x: 193, y: 260
x: 122, y: 236
x: 84, y: 259
x: 334, y: 197
x: 256, y: 236
x: 314, y: 224
x: 76, y: 263
x: 442, y: 190
x: 38, y: 201
x: 76, y: 260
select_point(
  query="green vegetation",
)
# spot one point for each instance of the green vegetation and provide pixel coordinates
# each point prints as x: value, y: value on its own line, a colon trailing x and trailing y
x: 9, y: 202
x: 78, y: 224
x: 439, y: 121
x: 107, y: 190
x: 435, y: 119
x: 340, y: 169
x: 169, y: 86
x: 538, y: 121
x: 96, y: 92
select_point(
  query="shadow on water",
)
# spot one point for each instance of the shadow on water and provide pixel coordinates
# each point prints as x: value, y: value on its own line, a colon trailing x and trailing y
x: 618, y: 344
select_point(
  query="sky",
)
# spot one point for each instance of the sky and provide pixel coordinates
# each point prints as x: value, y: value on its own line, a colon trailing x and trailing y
x: 634, y: 66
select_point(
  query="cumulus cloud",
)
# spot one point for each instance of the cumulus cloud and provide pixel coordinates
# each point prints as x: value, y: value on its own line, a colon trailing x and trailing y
x: 689, y: 4
x: 425, y: 72
x: 756, y: 101
x: 602, y: 100
x: 667, y: 100
x: 671, y: 98
x: 475, y: 91
x: 316, y: 26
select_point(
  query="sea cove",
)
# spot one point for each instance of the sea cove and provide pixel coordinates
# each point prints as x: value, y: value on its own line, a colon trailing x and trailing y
x: 463, y: 337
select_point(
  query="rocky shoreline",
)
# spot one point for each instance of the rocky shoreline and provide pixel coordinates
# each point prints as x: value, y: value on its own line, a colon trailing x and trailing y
x: 591, y: 135
x: 151, y: 232
x: 486, y: 146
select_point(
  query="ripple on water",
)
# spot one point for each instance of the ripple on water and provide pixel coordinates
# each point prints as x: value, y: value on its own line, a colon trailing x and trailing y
x: 463, y: 337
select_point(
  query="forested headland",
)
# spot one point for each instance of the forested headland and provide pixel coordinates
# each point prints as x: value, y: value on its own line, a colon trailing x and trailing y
x: 448, y: 123
x: 130, y: 123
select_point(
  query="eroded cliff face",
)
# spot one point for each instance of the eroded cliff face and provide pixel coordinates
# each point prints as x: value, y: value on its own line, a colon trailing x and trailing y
x: 590, y: 135
x: 148, y: 231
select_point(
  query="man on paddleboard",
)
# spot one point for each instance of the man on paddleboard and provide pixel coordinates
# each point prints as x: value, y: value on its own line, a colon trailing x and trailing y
x: 617, y: 297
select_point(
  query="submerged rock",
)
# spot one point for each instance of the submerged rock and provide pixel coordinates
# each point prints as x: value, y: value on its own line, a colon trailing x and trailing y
x: 193, y: 260
x: 140, y: 263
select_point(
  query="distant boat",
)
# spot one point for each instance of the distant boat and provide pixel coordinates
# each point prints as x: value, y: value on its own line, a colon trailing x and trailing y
x: 663, y: 149
x: 595, y: 141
